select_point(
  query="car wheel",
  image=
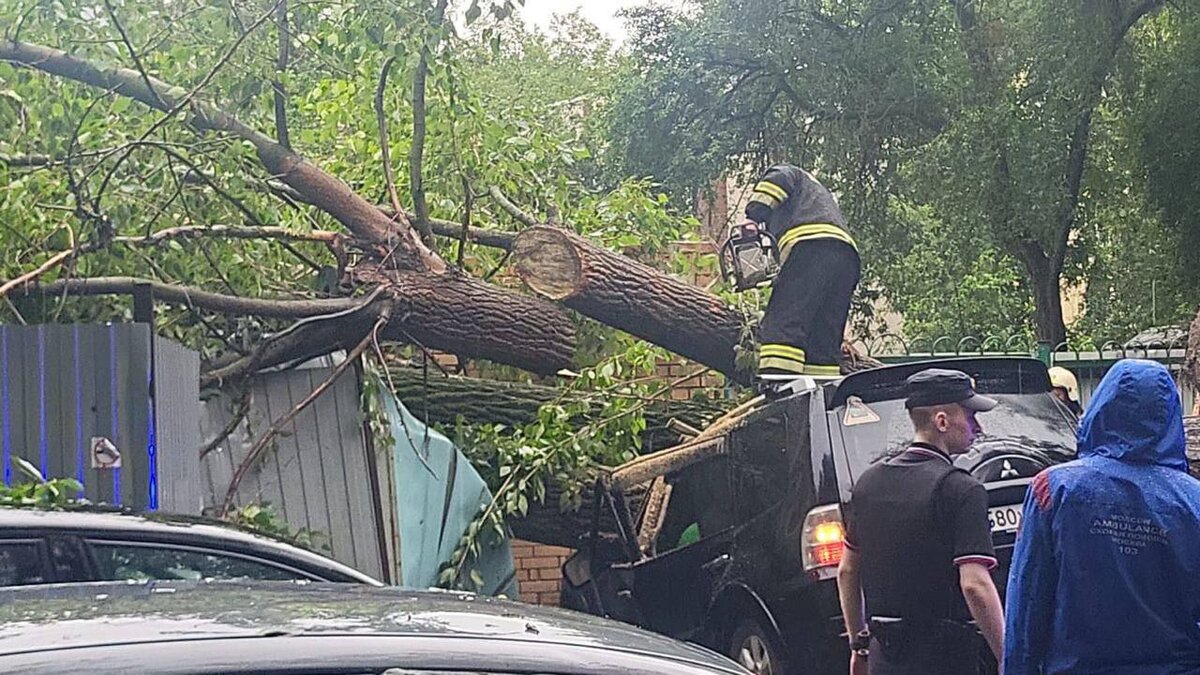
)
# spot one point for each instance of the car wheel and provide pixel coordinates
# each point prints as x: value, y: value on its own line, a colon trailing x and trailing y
x: 757, y: 649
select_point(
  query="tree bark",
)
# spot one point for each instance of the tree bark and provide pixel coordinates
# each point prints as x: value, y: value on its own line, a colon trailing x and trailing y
x: 1045, y: 278
x: 462, y: 315
x: 1191, y: 359
x: 1191, y: 425
x: 443, y: 400
x: 631, y: 296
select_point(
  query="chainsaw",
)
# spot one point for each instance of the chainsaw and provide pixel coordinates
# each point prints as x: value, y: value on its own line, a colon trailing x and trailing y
x: 749, y: 258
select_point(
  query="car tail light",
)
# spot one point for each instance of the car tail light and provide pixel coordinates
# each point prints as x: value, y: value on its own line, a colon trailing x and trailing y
x: 823, y: 539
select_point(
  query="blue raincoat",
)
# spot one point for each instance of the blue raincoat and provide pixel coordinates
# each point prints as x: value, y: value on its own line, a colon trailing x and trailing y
x: 1105, y: 577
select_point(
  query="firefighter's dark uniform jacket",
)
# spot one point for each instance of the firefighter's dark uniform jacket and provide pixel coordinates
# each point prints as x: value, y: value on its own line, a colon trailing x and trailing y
x: 802, y: 330
x: 795, y: 207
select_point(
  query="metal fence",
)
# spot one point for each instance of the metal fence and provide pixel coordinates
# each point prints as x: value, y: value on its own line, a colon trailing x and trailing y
x: 1088, y: 359
x: 72, y: 394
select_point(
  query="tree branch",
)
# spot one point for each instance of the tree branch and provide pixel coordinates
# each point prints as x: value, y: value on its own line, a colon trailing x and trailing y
x: 465, y: 232
x: 112, y: 13
x: 27, y: 161
x: 1137, y: 13
x: 238, y: 416
x: 207, y: 180
x: 190, y: 296
x: 513, y: 209
x: 1080, y: 135
x: 416, y: 155
x: 50, y: 264
x: 441, y: 227
x: 385, y: 150
x: 320, y: 189
x: 228, y: 232
x: 177, y: 106
x: 281, y: 66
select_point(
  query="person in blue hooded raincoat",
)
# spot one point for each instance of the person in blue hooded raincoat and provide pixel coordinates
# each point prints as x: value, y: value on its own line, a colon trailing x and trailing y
x: 1105, y: 577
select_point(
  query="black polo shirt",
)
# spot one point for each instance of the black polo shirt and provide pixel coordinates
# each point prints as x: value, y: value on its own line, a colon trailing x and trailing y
x: 913, y: 519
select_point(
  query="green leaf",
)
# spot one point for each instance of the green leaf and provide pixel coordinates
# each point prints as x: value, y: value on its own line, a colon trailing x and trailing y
x: 29, y: 469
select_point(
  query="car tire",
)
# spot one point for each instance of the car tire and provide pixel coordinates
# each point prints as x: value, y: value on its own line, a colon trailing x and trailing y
x: 757, y: 649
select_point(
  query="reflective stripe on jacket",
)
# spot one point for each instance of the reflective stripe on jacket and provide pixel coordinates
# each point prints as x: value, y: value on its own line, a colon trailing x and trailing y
x: 796, y: 207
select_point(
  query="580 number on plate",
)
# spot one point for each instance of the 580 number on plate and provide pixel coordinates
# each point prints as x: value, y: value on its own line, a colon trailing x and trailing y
x: 1005, y: 518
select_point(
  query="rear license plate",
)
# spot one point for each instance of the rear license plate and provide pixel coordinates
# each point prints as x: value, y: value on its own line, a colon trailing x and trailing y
x: 1005, y: 518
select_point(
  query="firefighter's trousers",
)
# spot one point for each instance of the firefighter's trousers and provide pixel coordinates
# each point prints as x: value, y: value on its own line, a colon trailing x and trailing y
x: 801, y: 332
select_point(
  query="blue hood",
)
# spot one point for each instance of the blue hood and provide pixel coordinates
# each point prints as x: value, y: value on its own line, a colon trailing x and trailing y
x: 1135, y: 416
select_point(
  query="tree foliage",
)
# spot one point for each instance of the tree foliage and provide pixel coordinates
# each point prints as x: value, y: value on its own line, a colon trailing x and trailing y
x: 504, y: 107
x: 995, y: 122
x: 1165, y: 127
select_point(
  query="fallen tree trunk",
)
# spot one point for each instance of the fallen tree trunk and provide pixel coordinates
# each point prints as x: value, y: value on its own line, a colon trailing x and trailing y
x: 462, y: 315
x: 443, y: 400
x: 432, y: 305
x: 638, y: 299
x: 626, y: 294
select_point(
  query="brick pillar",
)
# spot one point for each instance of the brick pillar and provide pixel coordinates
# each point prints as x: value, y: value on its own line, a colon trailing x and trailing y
x: 539, y: 571
x: 713, y: 213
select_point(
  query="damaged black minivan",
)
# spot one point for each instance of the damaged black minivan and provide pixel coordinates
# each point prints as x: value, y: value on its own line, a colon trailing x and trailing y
x: 733, y: 542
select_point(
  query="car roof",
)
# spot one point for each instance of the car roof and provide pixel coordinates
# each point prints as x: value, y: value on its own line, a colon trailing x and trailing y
x: 73, y: 617
x: 992, y: 375
x: 100, y: 521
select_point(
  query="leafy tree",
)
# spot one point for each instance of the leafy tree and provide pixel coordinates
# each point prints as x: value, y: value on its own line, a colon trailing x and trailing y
x: 195, y: 186
x: 982, y: 113
x: 1166, y: 128
x: 503, y: 108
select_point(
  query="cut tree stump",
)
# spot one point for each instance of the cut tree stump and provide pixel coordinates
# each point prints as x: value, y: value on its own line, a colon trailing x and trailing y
x: 629, y: 295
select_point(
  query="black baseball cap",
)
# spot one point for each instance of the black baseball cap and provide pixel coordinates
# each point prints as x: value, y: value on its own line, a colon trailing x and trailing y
x: 940, y: 386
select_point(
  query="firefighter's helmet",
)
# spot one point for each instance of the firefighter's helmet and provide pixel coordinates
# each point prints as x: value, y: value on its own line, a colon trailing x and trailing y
x: 1062, y: 378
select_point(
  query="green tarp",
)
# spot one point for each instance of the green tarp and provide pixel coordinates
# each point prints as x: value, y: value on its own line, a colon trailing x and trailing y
x: 438, y: 494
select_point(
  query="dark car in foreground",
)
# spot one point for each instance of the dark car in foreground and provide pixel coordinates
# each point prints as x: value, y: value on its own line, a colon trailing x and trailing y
x: 734, y: 541
x: 162, y: 628
x: 40, y: 546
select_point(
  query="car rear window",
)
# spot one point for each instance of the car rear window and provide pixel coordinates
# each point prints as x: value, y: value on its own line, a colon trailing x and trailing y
x: 1032, y: 421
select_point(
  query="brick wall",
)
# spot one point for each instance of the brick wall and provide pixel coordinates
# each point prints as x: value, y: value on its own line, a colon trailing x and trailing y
x: 710, y: 385
x: 539, y: 571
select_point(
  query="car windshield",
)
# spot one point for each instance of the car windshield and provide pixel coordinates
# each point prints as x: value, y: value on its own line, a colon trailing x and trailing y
x: 1032, y: 421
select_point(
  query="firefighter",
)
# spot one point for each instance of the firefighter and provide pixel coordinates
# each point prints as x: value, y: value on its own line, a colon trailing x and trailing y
x: 801, y: 332
x: 1065, y: 388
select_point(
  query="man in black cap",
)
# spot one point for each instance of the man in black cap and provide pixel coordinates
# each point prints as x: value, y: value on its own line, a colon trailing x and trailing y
x: 918, y: 556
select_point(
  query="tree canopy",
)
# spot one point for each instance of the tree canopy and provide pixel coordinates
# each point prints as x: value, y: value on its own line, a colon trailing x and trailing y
x: 987, y: 153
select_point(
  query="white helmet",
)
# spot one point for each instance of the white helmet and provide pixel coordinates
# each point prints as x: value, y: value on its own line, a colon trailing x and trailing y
x: 1064, y: 379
